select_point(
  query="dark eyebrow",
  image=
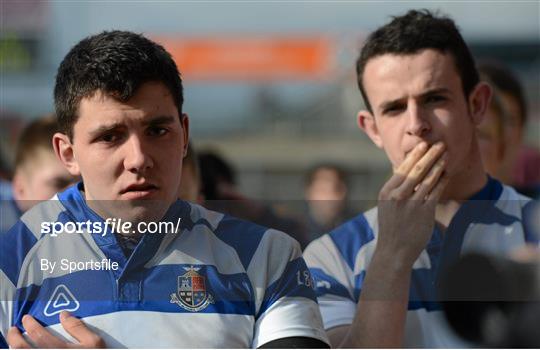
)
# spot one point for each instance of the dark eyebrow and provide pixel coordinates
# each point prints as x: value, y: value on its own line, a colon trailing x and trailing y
x: 389, y: 104
x: 436, y: 91
x: 103, y: 129
x: 163, y: 119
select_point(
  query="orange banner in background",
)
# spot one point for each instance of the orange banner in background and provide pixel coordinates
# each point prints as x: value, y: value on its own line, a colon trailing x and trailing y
x: 250, y: 58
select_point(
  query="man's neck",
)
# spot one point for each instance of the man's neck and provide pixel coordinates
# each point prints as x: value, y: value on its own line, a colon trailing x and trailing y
x: 462, y: 186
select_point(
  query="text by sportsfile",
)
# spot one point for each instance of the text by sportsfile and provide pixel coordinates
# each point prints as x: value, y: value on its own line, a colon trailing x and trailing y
x: 109, y: 225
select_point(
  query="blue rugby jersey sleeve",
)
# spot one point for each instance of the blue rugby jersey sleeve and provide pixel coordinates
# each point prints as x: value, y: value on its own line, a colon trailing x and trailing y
x: 14, y: 247
x: 285, y: 301
x: 333, y: 282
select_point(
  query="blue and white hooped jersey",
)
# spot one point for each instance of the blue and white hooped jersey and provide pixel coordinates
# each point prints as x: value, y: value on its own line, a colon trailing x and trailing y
x: 492, y: 221
x: 218, y: 282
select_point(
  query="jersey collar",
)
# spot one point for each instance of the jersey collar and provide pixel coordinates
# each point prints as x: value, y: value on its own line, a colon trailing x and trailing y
x: 78, y: 209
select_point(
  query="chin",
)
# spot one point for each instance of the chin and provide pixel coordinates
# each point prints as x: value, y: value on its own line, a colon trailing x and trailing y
x: 141, y: 210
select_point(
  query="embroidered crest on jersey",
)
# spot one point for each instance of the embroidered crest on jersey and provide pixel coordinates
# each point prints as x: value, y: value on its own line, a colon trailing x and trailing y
x: 191, y: 293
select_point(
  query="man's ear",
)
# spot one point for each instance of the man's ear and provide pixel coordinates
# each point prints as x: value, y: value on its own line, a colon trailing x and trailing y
x: 479, y: 100
x: 184, y: 121
x: 366, y: 122
x: 63, y: 149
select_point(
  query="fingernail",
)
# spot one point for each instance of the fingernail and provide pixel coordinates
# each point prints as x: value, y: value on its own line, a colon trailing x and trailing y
x: 64, y: 315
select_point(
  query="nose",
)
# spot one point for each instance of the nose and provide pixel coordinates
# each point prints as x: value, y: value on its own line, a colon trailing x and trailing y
x: 417, y: 122
x: 137, y: 158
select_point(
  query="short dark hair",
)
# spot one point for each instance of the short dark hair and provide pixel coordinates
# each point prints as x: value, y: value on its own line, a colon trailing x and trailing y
x: 415, y: 31
x: 117, y: 63
x: 507, y: 82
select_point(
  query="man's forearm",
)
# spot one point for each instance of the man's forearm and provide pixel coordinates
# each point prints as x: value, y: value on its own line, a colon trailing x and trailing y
x: 382, y: 310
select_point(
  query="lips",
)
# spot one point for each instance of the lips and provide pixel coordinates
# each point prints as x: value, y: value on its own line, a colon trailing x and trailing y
x: 138, y: 191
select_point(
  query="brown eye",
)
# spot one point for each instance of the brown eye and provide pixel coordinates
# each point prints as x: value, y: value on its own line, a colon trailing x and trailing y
x: 393, y: 109
x: 157, y: 131
x: 109, y: 137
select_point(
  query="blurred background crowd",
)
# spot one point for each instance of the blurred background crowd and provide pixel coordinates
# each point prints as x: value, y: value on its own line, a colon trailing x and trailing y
x: 271, y: 92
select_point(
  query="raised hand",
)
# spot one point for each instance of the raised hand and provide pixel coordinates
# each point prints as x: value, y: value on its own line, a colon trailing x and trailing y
x: 406, y: 208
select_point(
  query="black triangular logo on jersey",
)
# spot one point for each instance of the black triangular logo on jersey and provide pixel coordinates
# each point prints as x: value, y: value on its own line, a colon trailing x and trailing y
x: 61, y: 300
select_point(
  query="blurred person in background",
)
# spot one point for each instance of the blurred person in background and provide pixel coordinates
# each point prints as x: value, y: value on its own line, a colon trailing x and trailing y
x: 11, y: 126
x: 5, y: 173
x: 491, y: 137
x: 218, y: 177
x: 326, y: 194
x: 190, y: 186
x: 220, y: 193
x: 521, y: 163
x: 38, y: 173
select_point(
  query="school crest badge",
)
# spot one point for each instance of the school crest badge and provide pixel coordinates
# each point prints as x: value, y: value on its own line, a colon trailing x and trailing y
x: 191, y: 292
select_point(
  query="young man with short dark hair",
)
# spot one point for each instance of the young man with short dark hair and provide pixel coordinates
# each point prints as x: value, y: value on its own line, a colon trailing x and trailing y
x: 376, y: 276
x: 209, y: 280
